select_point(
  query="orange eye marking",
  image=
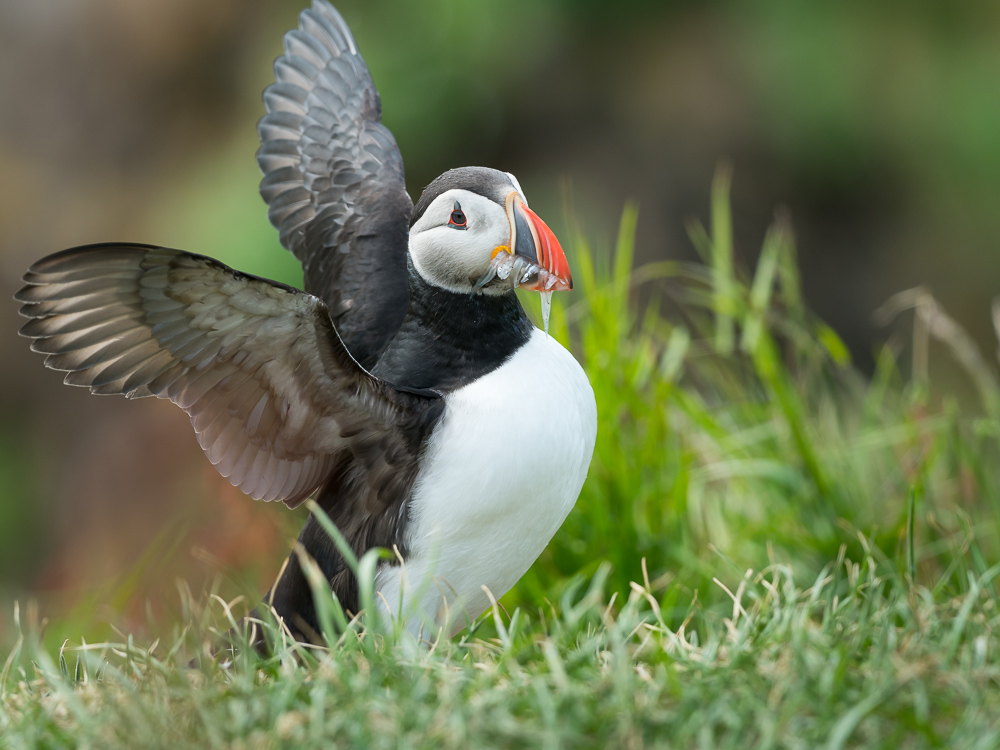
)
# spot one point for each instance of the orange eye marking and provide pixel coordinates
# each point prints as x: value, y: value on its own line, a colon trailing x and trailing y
x: 499, y: 249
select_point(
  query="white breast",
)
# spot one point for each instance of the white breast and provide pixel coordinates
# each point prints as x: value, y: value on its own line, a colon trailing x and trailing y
x: 501, y: 472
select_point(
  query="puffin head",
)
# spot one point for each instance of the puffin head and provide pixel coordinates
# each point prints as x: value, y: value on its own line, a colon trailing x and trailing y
x: 472, y: 231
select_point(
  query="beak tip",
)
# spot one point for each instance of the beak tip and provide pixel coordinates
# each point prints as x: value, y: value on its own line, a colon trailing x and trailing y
x: 554, y: 273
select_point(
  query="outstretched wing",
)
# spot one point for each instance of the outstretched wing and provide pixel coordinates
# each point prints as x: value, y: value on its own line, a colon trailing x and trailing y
x: 277, y: 402
x: 333, y: 181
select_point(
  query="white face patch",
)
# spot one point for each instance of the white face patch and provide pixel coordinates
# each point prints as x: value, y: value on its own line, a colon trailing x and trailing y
x: 454, y: 258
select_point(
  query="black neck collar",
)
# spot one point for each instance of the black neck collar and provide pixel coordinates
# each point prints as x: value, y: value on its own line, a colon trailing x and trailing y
x: 447, y: 339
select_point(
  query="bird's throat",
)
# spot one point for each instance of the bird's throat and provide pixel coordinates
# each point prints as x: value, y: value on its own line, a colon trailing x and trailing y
x: 448, y: 339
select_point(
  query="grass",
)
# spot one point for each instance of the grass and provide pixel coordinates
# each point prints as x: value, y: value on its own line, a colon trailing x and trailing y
x: 771, y: 551
x: 850, y: 661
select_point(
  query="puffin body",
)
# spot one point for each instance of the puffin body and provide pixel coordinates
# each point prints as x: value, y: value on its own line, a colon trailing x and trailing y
x: 405, y: 387
x: 499, y: 474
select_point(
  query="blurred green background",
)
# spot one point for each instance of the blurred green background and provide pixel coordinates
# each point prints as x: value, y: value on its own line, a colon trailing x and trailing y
x: 876, y: 124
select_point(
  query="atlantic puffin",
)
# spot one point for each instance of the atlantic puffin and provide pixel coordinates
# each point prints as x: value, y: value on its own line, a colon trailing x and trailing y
x: 404, y: 388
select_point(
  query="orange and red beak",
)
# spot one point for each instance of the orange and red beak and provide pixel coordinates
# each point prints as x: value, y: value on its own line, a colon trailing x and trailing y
x: 531, y: 238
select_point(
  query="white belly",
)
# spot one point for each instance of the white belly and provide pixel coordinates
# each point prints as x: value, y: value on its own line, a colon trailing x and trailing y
x: 501, y: 472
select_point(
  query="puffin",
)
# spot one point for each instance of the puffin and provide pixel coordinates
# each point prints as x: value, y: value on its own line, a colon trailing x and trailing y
x: 404, y: 388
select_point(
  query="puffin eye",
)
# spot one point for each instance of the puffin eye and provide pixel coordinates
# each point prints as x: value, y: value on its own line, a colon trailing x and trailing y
x: 457, y: 219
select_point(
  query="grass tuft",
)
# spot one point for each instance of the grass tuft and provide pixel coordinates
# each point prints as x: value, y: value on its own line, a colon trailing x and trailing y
x: 849, y: 660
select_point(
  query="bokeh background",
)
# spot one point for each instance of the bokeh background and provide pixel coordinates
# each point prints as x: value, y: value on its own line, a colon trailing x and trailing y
x: 876, y: 124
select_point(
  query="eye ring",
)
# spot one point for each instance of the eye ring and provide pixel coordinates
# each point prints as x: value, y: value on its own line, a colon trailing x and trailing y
x: 457, y: 218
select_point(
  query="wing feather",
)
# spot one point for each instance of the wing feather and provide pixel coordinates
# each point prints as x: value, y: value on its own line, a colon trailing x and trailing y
x: 334, y: 183
x: 276, y: 400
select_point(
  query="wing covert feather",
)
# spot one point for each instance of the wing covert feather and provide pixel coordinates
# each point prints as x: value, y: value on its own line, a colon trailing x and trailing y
x: 275, y: 398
